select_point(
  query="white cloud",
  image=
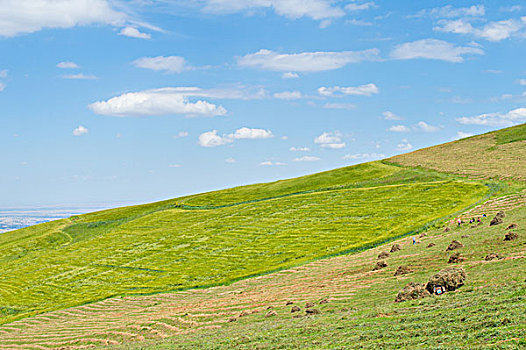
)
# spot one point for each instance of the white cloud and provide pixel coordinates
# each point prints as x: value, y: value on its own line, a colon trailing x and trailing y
x: 404, y: 145
x: 362, y: 90
x: 80, y: 130
x: 358, y: 22
x: 449, y: 11
x: 67, y: 65
x: 433, y: 49
x: 305, y: 61
x: 306, y: 159
x: 230, y: 160
x: 174, y: 166
x: 212, y: 139
x: 388, y: 115
x: 364, y: 156
x: 293, y: 9
x: 513, y: 117
x: 133, y: 32
x: 299, y: 149
x: 290, y: 75
x: 28, y: 16
x: 339, y: 106
x: 399, y: 128
x: 170, y: 64
x: 522, y: 82
x: 3, y: 73
x: 492, y: 31
x: 181, y: 134
x: 425, y: 127
x: 80, y: 76
x: 2, y: 86
x: 331, y: 140
x: 288, y: 95
x: 270, y: 163
x: 359, y: 7
x: 163, y: 101
x: 462, y: 134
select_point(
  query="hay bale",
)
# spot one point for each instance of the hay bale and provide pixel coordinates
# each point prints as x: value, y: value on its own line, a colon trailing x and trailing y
x: 412, y: 291
x: 455, y: 258
x: 495, y: 221
x: 309, y: 305
x: 324, y: 301
x: 454, y: 245
x: 271, y: 313
x: 289, y: 303
x: 500, y: 214
x: 493, y: 256
x: 383, y: 255
x: 512, y: 226
x: 380, y: 265
x: 431, y: 245
x: 450, y: 278
x: 395, y: 248
x: 244, y: 313
x: 232, y: 319
x: 295, y: 309
x: 403, y: 270
x: 423, y: 234
x: 510, y: 236
x: 312, y: 312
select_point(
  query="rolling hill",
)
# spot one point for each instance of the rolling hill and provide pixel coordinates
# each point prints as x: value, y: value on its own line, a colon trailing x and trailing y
x: 218, y: 238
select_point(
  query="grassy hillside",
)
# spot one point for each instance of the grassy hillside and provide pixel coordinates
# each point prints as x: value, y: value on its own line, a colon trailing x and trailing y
x: 219, y: 237
x: 499, y: 155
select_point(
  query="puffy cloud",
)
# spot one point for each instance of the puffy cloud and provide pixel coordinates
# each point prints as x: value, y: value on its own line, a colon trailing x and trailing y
x: 388, y: 115
x: 433, y: 49
x: 163, y: 101
x: 492, y: 31
x: 331, y: 140
x: 18, y: 17
x: 133, y: 32
x: 399, y: 128
x: 449, y: 11
x: 80, y: 76
x: 212, y: 139
x: 513, y: 117
x: 315, y: 9
x: 404, y: 145
x: 364, y: 156
x: 288, y: 95
x: 339, y: 106
x: 299, y: 149
x: 67, y: 65
x: 80, y: 130
x: 425, y: 127
x: 305, y: 61
x: 290, y: 75
x: 362, y: 90
x: 306, y: 159
x: 359, y: 7
x: 170, y: 64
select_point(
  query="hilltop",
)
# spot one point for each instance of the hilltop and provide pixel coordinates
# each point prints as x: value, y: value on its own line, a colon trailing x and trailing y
x: 285, y: 227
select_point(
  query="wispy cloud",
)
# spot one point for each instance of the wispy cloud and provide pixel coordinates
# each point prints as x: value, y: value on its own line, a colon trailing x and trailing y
x: 362, y: 90
x: 388, y: 115
x: 306, y: 159
x: 358, y: 156
x: 169, y: 64
x: 513, y: 117
x: 331, y: 140
x: 288, y: 95
x: 492, y: 31
x: 67, y: 65
x: 339, y: 106
x: 80, y: 76
x: 399, y: 128
x: 433, y: 49
x: 133, y: 32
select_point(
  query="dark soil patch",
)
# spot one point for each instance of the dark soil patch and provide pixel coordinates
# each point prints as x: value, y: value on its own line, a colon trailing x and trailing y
x: 447, y: 229
x: 402, y: 270
x: 510, y: 236
x: 383, y: 255
x: 454, y: 245
x: 412, y: 291
x: 450, y: 278
x: 380, y: 265
x: 455, y: 258
x: 395, y: 248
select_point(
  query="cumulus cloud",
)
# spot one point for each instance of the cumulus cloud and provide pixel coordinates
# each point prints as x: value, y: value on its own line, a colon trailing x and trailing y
x: 28, y: 16
x: 166, y: 101
x: 339, y: 106
x: 306, y: 159
x: 305, y: 61
x: 80, y: 130
x: 492, y: 31
x: 169, y: 64
x: 433, y: 49
x: 425, y: 127
x: 290, y: 75
x: 513, y: 117
x: 449, y: 11
x: 67, y: 65
x: 133, y: 32
x: 293, y: 9
x: 388, y: 115
x: 299, y: 149
x: 363, y: 156
x: 80, y: 76
x: 212, y: 139
x: 331, y: 140
x: 362, y: 90
x: 288, y: 95
x: 399, y: 128
x: 404, y: 145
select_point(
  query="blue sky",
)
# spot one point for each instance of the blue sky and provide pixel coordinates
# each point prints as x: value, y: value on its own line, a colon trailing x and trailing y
x: 110, y: 101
